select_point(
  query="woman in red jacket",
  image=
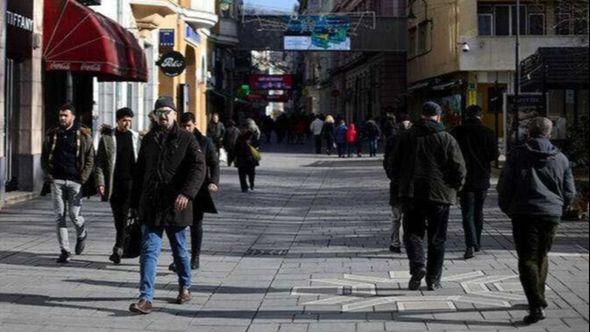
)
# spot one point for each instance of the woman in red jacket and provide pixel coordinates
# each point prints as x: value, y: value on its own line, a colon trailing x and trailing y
x: 352, y: 140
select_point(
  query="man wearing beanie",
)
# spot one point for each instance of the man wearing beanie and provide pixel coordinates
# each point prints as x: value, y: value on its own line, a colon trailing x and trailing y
x: 115, y: 165
x: 479, y: 146
x: 169, y: 173
x: 428, y: 169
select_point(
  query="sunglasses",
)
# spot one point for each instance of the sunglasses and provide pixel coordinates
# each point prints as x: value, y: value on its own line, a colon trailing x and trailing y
x: 163, y: 111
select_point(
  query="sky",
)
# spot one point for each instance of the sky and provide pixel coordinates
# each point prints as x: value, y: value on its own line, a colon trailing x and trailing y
x: 272, y: 4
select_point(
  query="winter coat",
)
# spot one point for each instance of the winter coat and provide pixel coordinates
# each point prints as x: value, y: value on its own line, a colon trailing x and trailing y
x: 328, y: 131
x: 204, y: 201
x: 373, y: 131
x: 244, y: 157
x: 106, y: 159
x: 231, y: 138
x: 340, y: 134
x: 316, y: 127
x: 390, y: 145
x: 537, y: 180
x: 479, y: 146
x: 351, y: 134
x: 170, y: 163
x: 216, y: 132
x: 84, y: 156
x: 427, y: 164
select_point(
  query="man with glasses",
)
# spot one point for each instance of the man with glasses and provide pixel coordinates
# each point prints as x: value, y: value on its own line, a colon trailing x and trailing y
x: 169, y: 173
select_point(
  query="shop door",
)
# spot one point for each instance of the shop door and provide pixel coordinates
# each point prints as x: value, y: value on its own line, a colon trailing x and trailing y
x: 11, y: 125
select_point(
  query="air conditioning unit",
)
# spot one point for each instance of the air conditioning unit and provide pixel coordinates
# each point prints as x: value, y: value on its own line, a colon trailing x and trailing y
x: 90, y: 2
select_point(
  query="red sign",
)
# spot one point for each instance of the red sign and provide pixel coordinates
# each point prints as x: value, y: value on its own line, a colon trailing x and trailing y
x: 271, y: 82
x: 269, y: 98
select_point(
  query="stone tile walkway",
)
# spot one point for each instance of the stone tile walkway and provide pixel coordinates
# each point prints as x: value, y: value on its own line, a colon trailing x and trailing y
x: 307, y: 251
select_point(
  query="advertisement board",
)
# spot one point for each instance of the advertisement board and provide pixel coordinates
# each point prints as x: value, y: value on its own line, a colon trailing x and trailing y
x: 271, y: 82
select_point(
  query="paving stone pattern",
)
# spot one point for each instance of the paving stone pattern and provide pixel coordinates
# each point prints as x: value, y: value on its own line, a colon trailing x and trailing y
x: 307, y: 251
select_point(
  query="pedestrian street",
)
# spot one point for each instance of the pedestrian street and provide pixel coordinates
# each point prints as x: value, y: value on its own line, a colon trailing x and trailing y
x: 306, y: 251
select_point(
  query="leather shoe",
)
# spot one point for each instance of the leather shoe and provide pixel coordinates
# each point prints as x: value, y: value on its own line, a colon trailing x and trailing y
x: 184, y: 296
x: 434, y: 286
x: 195, y: 263
x: 416, y: 280
x: 469, y: 253
x: 395, y: 250
x: 535, y: 315
x: 142, y: 307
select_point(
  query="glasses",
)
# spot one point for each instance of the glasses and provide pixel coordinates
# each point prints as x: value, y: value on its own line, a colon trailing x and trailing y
x: 163, y: 111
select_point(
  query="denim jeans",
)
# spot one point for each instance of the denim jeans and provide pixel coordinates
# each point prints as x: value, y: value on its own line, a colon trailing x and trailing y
x: 422, y: 217
x: 150, y: 252
x: 472, y: 209
x: 67, y: 202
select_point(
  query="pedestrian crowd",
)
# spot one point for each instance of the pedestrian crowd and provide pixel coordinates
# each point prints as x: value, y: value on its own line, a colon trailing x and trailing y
x: 165, y: 181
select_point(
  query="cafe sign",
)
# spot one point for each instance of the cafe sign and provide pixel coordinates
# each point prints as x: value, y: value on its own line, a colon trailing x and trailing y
x: 172, y: 63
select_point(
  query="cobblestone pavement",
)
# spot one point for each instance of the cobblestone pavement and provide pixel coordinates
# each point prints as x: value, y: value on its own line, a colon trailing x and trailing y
x: 307, y: 251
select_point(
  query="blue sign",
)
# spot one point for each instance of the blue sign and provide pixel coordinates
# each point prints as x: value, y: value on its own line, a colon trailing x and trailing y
x: 191, y: 35
x: 167, y: 37
x: 306, y: 25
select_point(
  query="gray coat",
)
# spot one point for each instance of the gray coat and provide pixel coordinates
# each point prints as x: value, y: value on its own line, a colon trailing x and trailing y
x: 537, y: 181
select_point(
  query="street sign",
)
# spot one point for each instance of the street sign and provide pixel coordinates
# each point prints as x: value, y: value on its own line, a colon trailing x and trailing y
x: 172, y: 63
x: 166, y: 37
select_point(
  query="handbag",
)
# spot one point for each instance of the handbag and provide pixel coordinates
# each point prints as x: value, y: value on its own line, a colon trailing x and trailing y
x: 255, y: 153
x: 133, y: 239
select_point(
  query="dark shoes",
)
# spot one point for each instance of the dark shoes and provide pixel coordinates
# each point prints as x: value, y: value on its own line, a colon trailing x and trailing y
x: 535, y: 315
x: 416, y: 280
x: 469, y: 253
x: 142, y: 307
x: 116, y: 256
x: 64, y: 257
x: 81, y: 244
x: 433, y: 286
x: 395, y: 250
x: 184, y: 296
x: 195, y: 264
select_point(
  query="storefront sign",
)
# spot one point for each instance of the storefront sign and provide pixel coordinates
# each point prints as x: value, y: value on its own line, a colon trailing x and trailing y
x: 19, y: 21
x: 167, y: 37
x: 19, y: 28
x: 271, y: 82
x: 172, y: 64
x: 530, y: 106
x: 191, y: 35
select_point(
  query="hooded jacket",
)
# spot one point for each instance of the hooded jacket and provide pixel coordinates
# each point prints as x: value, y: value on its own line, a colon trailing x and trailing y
x: 536, y: 180
x: 427, y: 164
x: 340, y: 134
x: 351, y: 134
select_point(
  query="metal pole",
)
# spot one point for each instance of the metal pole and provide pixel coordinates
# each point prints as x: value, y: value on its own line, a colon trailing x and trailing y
x: 515, y: 119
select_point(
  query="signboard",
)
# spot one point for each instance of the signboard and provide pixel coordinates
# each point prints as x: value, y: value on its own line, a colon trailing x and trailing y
x: 305, y: 43
x: 530, y: 106
x: 172, y: 63
x: 322, y: 33
x: 166, y: 37
x: 19, y: 28
x: 271, y: 82
x: 191, y: 35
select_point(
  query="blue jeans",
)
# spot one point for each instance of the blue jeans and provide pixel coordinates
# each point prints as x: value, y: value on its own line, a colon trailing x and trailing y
x: 150, y: 252
x: 67, y: 202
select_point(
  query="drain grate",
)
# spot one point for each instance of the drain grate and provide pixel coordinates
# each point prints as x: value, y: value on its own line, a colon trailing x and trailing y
x: 267, y: 252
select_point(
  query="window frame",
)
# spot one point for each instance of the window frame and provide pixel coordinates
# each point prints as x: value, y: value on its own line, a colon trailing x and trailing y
x: 492, y: 25
x: 530, y: 14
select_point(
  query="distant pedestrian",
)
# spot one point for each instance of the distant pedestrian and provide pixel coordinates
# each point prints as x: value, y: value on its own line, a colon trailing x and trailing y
x: 373, y: 135
x: 246, y: 161
x: 535, y: 187
x: 68, y: 161
x: 340, y: 136
x: 116, y: 158
x: 479, y: 146
x: 169, y: 173
x: 252, y: 127
x: 428, y: 168
x: 328, y: 134
x: 229, y: 142
x: 352, y: 140
x: 268, y: 125
x: 316, y: 129
x: 216, y: 131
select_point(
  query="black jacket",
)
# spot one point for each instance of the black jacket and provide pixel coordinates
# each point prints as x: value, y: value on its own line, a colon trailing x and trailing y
x: 231, y: 138
x: 169, y: 164
x: 536, y: 180
x: 244, y: 157
x: 204, y: 201
x: 479, y: 147
x: 427, y: 164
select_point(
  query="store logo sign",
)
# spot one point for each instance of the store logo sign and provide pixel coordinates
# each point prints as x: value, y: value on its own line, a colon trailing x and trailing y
x: 19, y: 21
x: 172, y: 64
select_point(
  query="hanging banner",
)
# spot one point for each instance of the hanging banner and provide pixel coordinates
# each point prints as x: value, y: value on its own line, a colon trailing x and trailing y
x: 323, y: 33
x: 271, y: 82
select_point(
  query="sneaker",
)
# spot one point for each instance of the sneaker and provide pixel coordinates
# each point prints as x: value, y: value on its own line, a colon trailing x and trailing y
x: 416, y: 280
x: 64, y: 257
x: 535, y: 315
x: 468, y: 253
x: 395, y: 250
x: 434, y: 286
x: 184, y: 296
x: 142, y: 307
x: 81, y: 244
x: 116, y: 256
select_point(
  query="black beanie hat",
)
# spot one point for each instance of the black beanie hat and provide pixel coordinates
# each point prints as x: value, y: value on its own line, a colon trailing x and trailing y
x: 473, y: 111
x: 431, y: 108
x: 124, y: 112
x: 164, y: 101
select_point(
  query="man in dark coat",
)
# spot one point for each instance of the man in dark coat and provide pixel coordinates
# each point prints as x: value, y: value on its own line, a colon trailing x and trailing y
x: 429, y: 169
x: 231, y: 138
x: 479, y: 146
x: 204, y: 202
x: 216, y: 131
x: 169, y: 173
x: 535, y: 187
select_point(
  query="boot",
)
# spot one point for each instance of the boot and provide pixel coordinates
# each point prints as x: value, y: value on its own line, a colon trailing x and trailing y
x: 535, y: 315
x: 116, y: 256
x: 195, y: 263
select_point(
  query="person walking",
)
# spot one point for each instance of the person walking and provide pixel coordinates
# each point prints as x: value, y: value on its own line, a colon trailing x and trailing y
x: 67, y: 160
x: 340, y: 136
x: 116, y: 157
x: 428, y: 168
x: 316, y: 129
x: 479, y: 146
x: 352, y: 140
x: 169, y: 173
x: 203, y: 203
x: 230, y: 140
x: 373, y: 135
x: 216, y: 132
x: 328, y: 134
x: 535, y: 187
x: 252, y: 127
x: 245, y: 161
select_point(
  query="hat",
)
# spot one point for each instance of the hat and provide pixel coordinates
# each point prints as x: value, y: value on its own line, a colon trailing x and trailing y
x: 431, y: 108
x: 165, y: 101
x: 473, y: 111
x: 404, y: 117
x: 124, y: 112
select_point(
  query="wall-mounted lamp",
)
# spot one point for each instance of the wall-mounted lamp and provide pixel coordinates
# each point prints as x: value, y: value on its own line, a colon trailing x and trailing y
x: 465, y: 47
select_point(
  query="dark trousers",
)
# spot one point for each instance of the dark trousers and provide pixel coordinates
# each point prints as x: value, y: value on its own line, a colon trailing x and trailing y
x: 341, y: 149
x: 373, y: 147
x: 472, y: 209
x: 533, y: 238
x: 231, y: 157
x: 197, y: 233
x: 247, y: 173
x: 422, y: 217
x: 318, y: 144
x: 120, y: 202
x: 354, y: 148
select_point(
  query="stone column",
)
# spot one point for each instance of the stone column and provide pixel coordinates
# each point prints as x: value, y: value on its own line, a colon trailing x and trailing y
x: 2, y: 102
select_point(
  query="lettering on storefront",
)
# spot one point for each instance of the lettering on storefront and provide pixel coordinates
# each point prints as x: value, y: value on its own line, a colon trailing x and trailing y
x: 59, y: 66
x: 19, y: 21
x: 91, y: 67
x: 172, y: 63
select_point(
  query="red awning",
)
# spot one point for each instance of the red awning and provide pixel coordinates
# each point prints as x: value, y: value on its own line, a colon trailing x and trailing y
x: 83, y: 41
